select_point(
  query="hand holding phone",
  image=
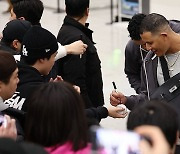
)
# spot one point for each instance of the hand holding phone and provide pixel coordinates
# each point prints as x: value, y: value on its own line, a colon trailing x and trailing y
x: 107, y: 141
x: 3, y: 121
x: 8, y: 127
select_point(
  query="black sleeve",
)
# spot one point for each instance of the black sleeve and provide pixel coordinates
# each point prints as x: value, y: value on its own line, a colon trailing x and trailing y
x: 72, y: 68
x: 97, y: 113
x: 133, y: 62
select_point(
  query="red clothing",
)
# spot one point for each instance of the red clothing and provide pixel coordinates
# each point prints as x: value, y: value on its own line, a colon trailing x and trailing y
x: 67, y: 149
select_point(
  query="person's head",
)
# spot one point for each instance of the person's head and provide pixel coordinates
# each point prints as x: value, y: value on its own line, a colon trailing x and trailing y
x: 8, y: 75
x: 157, y: 114
x: 134, y: 28
x: 14, y: 32
x: 77, y: 8
x: 39, y: 48
x: 58, y: 114
x: 30, y: 10
x: 155, y: 32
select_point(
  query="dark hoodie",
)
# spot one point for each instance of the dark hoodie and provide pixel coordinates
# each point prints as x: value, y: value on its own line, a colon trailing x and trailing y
x: 30, y: 78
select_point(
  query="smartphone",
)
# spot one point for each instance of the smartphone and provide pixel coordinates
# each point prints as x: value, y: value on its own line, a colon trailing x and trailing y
x: 108, y: 141
x: 3, y: 121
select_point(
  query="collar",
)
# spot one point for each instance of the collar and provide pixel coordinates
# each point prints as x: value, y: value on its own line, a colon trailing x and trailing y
x: 72, y: 22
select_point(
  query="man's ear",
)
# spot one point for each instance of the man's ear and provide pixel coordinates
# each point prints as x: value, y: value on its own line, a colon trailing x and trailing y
x: 164, y: 34
x: 87, y: 12
x: 41, y: 60
x: 1, y: 86
x: 177, y: 136
x: 15, y: 44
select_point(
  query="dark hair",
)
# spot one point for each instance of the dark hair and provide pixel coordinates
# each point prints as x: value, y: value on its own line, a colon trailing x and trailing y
x: 134, y: 26
x: 31, y: 10
x: 76, y: 8
x: 33, y: 60
x: 56, y: 115
x: 7, y: 66
x: 157, y: 114
x: 153, y: 23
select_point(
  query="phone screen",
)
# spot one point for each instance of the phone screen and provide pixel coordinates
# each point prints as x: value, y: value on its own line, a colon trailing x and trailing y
x: 115, y: 142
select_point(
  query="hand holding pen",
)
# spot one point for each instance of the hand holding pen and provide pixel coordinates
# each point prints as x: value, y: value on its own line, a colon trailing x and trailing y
x: 116, y: 97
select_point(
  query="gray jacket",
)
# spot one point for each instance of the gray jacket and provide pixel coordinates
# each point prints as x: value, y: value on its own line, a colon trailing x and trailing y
x: 149, y: 81
x: 134, y: 56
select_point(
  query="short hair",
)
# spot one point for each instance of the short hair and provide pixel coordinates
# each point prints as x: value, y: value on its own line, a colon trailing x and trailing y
x: 153, y: 23
x: 31, y: 10
x: 57, y: 110
x: 157, y: 114
x: 7, y: 66
x: 134, y: 26
x: 33, y: 60
x: 76, y: 8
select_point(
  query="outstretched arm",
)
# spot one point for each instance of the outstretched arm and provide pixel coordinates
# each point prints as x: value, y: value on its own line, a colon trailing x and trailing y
x: 75, y: 48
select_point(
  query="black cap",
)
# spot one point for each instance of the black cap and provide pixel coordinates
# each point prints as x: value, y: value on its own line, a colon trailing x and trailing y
x: 15, y: 30
x: 38, y: 42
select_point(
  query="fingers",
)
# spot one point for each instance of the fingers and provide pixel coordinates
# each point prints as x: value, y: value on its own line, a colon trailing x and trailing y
x: 10, y: 130
x: 121, y: 112
x: 51, y: 80
x: 83, y: 47
x: 117, y: 112
x: 122, y: 115
x: 57, y: 79
x: 77, y: 88
x: 77, y: 47
x: 115, y: 98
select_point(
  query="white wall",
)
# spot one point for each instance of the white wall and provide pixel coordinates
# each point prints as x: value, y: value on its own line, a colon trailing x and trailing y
x: 168, y: 8
x: 93, y: 3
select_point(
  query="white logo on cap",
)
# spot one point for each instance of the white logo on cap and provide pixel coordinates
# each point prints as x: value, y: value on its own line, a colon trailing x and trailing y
x: 47, y: 50
x: 24, y: 51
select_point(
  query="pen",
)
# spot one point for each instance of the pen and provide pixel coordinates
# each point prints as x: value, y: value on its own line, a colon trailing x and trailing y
x: 114, y: 85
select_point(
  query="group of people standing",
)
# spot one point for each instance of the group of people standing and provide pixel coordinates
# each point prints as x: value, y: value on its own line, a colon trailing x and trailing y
x: 59, y: 84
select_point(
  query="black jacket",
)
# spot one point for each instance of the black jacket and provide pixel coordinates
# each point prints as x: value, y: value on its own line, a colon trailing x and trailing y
x: 84, y: 72
x: 29, y: 80
x: 134, y: 57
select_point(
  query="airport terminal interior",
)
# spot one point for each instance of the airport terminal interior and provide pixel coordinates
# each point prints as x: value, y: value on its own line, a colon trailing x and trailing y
x: 111, y: 39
